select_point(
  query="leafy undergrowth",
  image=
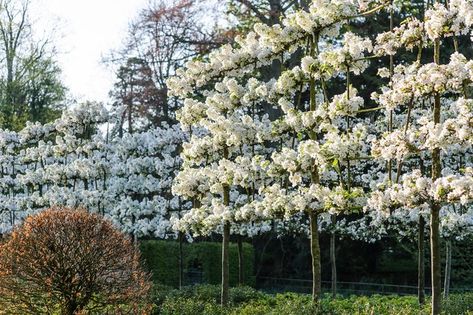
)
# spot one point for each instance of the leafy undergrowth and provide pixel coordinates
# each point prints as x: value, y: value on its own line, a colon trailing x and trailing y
x: 203, y: 299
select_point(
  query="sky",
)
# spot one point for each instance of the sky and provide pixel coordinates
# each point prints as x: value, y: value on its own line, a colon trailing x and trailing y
x: 84, y: 31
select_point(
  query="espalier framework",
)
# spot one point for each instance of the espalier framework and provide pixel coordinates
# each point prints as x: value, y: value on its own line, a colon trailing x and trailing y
x: 323, y: 153
x: 70, y: 162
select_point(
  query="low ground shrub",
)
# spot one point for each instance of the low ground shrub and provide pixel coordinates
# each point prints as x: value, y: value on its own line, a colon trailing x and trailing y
x: 459, y: 303
x: 185, y: 306
x: 205, y: 293
x: 203, y: 299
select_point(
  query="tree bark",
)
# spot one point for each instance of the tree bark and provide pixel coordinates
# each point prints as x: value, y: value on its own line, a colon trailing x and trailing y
x: 333, y: 257
x: 275, y: 11
x: 315, y: 253
x: 448, y: 268
x: 241, y: 276
x: 420, y: 261
x: 70, y: 308
x: 435, y: 209
x: 225, y: 264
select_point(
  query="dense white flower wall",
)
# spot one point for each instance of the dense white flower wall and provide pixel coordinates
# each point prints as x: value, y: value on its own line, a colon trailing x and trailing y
x: 228, y: 161
x: 70, y: 162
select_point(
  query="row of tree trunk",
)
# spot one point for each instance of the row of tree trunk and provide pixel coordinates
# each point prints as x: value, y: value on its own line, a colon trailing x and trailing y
x: 241, y: 281
x: 420, y: 261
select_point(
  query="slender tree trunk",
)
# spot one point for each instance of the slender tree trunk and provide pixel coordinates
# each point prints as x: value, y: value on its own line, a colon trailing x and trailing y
x: 10, y: 58
x: 261, y: 255
x: 225, y: 243
x: 130, y: 111
x: 181, y: 260
x: 333, y: 261
x: 435, y: 260
x: 448, y: 268
x: 314, y: 232
x: 122, y: 122
x: 225, y: 264
x: 165, y: 104
x: 391, y: 73
x: 241, y: 275
x: 315, y: 253
x: 435, y: 209
x: 421, y: 263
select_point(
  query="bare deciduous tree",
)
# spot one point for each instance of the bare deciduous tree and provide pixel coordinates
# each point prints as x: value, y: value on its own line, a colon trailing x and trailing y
x: 161, y: 39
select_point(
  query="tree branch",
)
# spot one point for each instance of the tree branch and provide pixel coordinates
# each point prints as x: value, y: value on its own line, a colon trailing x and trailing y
x: 255, y: 10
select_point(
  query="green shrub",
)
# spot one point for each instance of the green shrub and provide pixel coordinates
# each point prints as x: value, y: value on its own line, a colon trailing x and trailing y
x: 184, y: 306
x: 376, y: 304
x: 294, y: 304
x: 206, y: 293
x: 458, y: 304
x: 280, y: 304
x: 162, y: 260
x: 204, y: 299
x: 300, y: 304
x: 244, y: 294
x: 252, y: 309
x: 159, y: 293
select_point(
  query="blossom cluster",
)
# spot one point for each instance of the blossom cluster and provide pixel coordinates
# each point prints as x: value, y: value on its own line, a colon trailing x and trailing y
x: 265, y: 43
x: 453, y: 20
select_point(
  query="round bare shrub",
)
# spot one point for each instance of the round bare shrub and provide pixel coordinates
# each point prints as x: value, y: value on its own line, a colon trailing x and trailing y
x: 70, y: 262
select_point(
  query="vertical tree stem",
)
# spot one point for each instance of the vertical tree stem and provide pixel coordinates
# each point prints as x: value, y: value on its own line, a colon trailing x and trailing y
x: 315, y: 252
x: 225, y: 242
x: 241, y: 276
x: 348, y: 129
x: 448, y: 268
x: 181, y: 260
x: 314, y: 232
x: 225, y: 264
x: 421, y: 263
x: 333, y: 261
x: 435, y: 209
x: 391, y: 72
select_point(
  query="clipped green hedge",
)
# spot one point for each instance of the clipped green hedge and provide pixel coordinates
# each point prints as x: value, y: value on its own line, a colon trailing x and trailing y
x: 162, y: 260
